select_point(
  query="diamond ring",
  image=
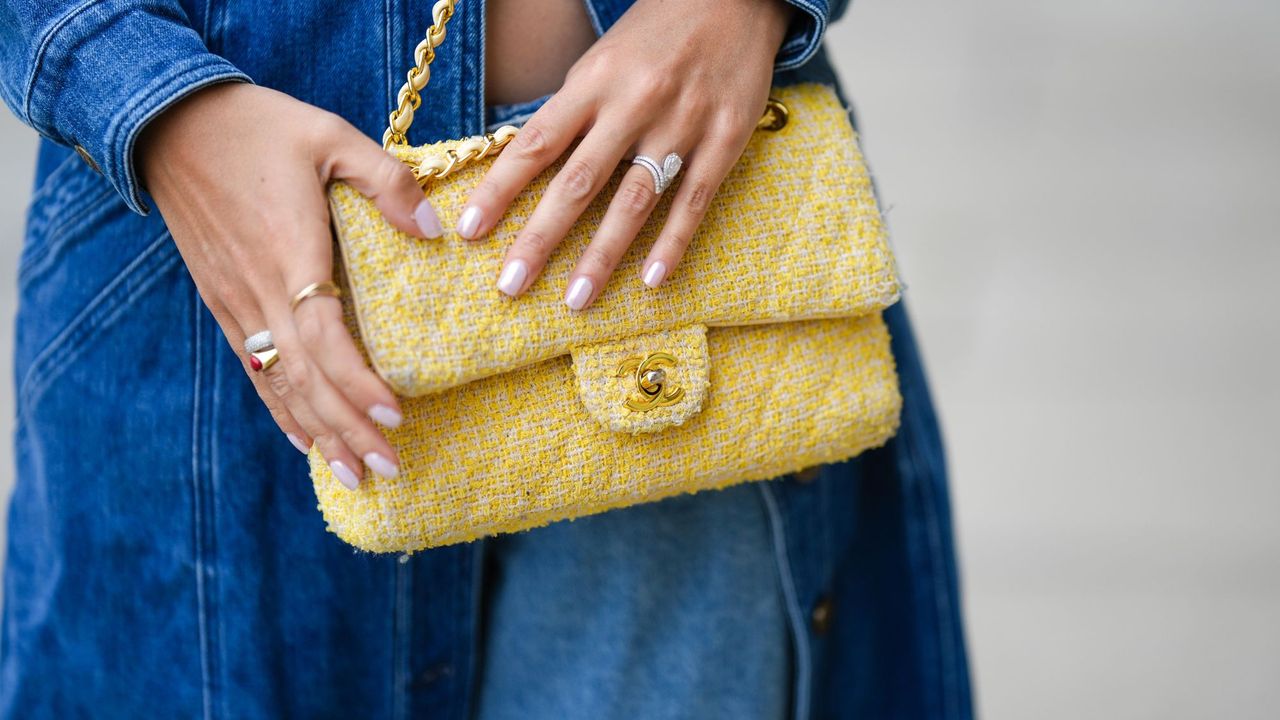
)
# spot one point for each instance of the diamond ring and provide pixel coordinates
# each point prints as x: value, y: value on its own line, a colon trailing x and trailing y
x: 662, y: 173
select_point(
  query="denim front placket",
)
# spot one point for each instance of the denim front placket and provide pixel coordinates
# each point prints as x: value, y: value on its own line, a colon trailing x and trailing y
x: 437, y: 592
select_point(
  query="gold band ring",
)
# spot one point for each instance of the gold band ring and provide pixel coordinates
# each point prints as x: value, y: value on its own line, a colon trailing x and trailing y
x: 325, y: 288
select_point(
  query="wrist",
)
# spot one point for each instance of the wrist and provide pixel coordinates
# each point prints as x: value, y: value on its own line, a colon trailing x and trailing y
x: 184, y: 119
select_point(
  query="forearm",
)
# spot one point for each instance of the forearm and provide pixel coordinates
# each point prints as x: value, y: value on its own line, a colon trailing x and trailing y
x: 94, y: 74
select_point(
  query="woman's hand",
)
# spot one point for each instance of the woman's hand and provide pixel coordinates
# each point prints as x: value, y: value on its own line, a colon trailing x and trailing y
x: 239, y: 174
x: 689, y: 78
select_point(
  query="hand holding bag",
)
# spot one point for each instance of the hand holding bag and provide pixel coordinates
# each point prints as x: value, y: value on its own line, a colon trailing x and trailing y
x: 764, y: 353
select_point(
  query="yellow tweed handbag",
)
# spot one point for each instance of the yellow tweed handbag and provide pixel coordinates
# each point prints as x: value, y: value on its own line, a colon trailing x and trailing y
x: 520, y: 412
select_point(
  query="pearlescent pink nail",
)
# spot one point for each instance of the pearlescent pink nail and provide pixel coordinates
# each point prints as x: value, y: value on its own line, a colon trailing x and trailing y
x: 427, y: 219
x: 469, y: 223
x: 513, y: 276
x: 344, y: 475
x: 579, y: 293
x: 655, y: 273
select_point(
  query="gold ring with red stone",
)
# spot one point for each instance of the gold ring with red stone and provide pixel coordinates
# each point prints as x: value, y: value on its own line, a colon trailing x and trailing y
x: 263, y: 359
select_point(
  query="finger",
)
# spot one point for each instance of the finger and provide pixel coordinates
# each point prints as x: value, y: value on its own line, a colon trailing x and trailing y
x: 349, y: 434
x: 567, y: 195
x: 324, y: 334
x: 294, y: 432
x: 715, y: 156
x: 341, y: 459
x: 540, y: 141
x: 234, y: 331
x: 376, y: 174
x: 630, y: 208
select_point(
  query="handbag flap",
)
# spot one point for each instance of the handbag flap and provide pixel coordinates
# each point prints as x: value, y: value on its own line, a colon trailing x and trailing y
x: 644, y: 383
x: 794, y: 233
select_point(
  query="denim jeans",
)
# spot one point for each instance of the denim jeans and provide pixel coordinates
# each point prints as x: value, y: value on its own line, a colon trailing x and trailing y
x: 165, y: 555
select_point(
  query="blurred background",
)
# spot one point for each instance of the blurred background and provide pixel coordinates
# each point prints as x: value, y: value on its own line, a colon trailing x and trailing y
x: 1083, y: 197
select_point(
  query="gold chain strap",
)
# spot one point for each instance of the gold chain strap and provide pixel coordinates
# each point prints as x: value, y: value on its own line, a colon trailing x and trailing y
x: 481, y: 146
x: 410, y: 95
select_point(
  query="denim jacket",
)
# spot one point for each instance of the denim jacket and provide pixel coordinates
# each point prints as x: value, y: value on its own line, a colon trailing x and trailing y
x: 226, y: 618
x: 91, y: 75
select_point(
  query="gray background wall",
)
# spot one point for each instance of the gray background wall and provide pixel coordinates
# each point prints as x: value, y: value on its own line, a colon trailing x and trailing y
x: 1083, y: 201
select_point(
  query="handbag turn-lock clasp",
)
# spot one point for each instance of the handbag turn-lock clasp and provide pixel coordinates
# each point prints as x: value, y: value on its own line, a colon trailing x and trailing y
x: 650, y: 376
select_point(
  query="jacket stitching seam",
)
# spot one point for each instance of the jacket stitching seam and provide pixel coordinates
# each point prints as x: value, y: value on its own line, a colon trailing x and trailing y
x: 69, y: 342
x: 206, y: 692
x: 37, y: 61
x: 56, y: 235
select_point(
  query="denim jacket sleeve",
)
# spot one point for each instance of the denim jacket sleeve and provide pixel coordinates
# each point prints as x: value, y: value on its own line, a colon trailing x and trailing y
x: 801, y: 42
x: 93, y: 73
x: 805, y: 34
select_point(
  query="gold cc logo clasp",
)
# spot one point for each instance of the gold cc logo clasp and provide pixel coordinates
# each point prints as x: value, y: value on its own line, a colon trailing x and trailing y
x: 651, y: 381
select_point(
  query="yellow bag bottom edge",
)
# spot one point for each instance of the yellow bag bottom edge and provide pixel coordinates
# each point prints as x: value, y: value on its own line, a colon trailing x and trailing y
x: 518, y: 450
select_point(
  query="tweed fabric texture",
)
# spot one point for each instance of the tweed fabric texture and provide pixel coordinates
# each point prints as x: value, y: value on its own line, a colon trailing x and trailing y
x: 793, y: 233
x: 516, y: 411
x: 604, y: 393
x: 517, y: 450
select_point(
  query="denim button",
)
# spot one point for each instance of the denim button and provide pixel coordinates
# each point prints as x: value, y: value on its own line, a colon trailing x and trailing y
x: 821, y: 616
x: 88, y: 159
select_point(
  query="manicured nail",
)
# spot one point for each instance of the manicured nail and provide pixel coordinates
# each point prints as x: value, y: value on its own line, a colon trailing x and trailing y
x: 297, y: 443
x: 656, y: 272
x: 579, y: 293
x: 381, y: 465
x: 512, y: 277
x: 428, y: 221
x: 469, y: 223
x: 344, y: 475
x: 384, y: 415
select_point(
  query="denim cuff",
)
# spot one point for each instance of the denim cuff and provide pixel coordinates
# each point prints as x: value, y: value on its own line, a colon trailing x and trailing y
x: 105, y: 70
x: 804, y: 36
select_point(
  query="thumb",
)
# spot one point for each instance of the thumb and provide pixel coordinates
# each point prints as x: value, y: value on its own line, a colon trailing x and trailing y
x: 379, y: 176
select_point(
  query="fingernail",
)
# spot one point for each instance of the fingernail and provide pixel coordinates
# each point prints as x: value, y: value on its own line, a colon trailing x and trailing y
x: 297, y: 443
x: 512, y: 277
x: 381, y: 465
x: 656, y: 272
x: 428, y: 221
x: 469, y: 223
x: 384, y: 415
x: 344, y: 475
x: 579, y: 293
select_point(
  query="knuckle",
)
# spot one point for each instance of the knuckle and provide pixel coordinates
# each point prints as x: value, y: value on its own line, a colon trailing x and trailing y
x: 329, y: 445
x: 598, y: 257
x: 577, y: 180
x: 593, y: 64
x: 699, y: 196
x: 675, y: 243
x: 535, y: 243
x: 733, y: 123
x: 279, y: 384
x: 531, y: 143
x: 325, y: 126
x: 351, y: 436
x: 393, y: 174
x: 352, y: 379
x: 653, y: 85
x: 487, y: 190
x: 296, y: 375
x: 310, y: 329
x: 636, y: 197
